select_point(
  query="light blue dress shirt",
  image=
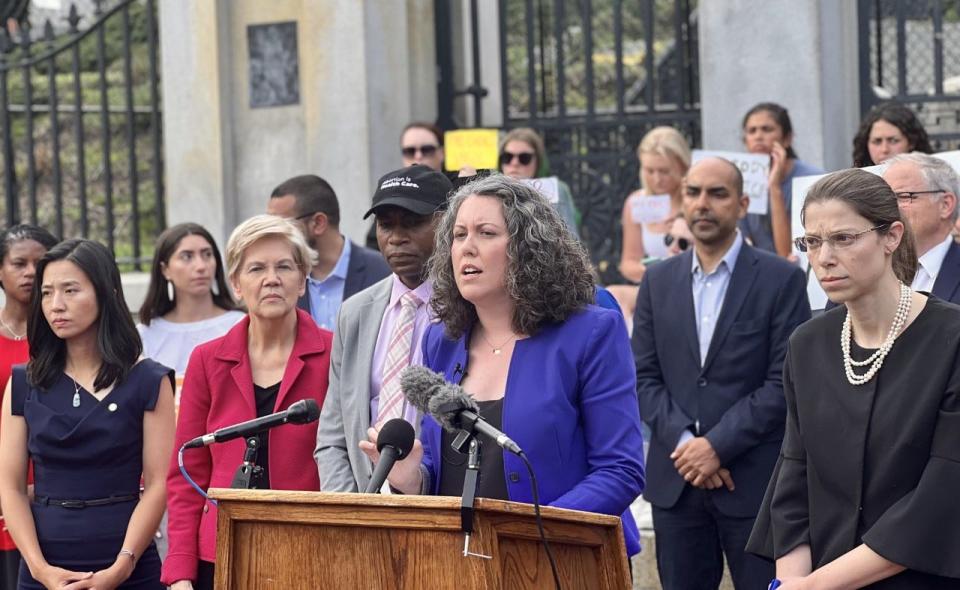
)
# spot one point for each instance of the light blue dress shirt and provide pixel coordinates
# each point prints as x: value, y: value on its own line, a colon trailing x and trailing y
x: 709, y: 291
x: 326, y: 295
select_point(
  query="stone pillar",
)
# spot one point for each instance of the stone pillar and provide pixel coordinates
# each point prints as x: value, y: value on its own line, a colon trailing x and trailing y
x: 364, y: 70
x: 802, y: 55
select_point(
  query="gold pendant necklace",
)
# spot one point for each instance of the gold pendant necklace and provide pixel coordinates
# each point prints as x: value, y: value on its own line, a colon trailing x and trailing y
x: 497, y: 350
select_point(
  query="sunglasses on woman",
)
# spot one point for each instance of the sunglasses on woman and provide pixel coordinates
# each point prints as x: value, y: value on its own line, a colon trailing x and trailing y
x: 425, y: 150
x: 524, y: 157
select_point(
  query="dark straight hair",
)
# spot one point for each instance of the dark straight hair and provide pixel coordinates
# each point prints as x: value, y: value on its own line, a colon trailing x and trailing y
x: 871, y: 198
x: 311, y: 194
x: 780, y: 115
x: 157, y: 302
x: 21, y: 232
x: 118, y: 341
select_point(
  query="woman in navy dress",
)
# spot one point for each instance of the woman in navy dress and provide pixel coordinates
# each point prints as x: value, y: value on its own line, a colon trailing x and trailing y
x: 93, y: 420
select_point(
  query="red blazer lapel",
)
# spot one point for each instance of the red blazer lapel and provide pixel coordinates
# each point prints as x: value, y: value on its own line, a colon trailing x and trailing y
x: 309, y: 342
x: 233, y: 350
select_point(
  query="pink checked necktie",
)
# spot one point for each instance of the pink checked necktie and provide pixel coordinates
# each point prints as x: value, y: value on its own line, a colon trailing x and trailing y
x: 398, y: 358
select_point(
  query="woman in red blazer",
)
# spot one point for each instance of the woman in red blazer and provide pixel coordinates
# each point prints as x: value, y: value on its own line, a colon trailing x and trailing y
x: 271, y: 359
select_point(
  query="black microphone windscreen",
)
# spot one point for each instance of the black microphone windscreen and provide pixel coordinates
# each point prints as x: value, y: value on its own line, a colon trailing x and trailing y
x: 419, y: 384
x: 397, y: 433
x: 304, y: 411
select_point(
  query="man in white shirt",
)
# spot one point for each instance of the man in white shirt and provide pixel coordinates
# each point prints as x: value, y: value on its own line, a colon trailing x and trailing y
x: 926, y: 189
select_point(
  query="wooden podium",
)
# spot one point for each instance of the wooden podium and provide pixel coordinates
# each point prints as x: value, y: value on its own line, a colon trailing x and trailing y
x: 277, y: 539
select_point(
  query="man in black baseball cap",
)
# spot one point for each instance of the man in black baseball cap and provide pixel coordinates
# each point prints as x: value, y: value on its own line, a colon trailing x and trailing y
x: 379, y: 330
x: 405, y: 204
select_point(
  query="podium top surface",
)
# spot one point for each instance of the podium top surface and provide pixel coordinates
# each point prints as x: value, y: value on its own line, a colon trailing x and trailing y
x: 409, y: 501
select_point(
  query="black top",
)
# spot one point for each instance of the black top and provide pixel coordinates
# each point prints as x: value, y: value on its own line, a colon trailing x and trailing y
x: 491, y: 483
x: 877, y: 463
x: 266, y: 400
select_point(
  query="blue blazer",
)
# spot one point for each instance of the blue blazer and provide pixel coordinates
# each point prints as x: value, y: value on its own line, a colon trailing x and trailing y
x: 364, y: 268
x: 736, y: 396
x: 571, y: 406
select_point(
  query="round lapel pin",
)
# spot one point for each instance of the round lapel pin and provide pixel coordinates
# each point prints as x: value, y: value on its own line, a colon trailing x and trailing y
x: 112, y: 407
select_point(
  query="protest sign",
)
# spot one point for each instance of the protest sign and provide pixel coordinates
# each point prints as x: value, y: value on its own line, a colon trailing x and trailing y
x: 476, y: 148
x: 755, y: 169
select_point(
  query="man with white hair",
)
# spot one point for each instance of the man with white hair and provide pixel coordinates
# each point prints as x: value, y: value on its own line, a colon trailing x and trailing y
x: 927, y: 189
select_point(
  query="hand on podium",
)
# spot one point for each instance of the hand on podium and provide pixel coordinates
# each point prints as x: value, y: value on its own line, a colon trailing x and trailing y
x: 405, y: 475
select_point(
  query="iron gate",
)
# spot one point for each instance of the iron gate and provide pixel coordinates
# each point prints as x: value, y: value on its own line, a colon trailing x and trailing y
x: 910, y: 52
x: 80, y: 124
x: 592, y: 76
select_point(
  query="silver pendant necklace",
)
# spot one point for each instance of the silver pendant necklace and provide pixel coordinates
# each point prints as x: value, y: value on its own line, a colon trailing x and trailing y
x: 76, y: 393
x: 17, y: 337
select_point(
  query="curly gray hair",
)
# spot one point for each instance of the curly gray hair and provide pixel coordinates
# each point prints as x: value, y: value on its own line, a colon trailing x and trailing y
x: 548, y: 271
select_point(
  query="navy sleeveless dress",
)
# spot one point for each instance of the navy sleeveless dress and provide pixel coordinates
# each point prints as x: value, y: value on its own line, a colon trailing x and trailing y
x: 90, y: 452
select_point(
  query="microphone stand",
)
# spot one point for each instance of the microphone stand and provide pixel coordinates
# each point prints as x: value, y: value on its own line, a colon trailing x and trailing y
x: 470, y: 480
x: 249, y: 473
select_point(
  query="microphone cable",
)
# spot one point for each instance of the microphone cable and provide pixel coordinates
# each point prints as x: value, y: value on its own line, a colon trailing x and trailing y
x: 536, y: 510
x: 186, y: 476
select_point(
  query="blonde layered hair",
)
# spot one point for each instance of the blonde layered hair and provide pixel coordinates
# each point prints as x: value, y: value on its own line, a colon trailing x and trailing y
x: 259, y: 227
x: 667, y: 142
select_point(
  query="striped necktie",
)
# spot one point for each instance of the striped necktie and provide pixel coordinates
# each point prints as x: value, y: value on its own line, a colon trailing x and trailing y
x: 392, y: 402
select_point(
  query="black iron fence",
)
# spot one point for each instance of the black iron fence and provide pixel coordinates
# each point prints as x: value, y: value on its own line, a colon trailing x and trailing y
x: 592, y: 76
x: 80, y: 125
x: 910, y: 52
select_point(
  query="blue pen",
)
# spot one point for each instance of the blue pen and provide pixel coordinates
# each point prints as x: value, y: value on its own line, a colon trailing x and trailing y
x: 774, y: 584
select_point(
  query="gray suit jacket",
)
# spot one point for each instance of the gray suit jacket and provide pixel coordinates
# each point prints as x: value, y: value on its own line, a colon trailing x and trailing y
x: 345, y: 417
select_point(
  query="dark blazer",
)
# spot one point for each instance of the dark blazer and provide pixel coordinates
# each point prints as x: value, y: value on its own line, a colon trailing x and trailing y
x: 736, y: 398
x: 569, y: 404
x: 947, y: 285
x: 365, y: 268
x: 877, y: 463
x: 217, y: 392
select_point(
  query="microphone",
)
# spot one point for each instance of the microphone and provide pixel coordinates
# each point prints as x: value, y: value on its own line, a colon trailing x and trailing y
x: 394, y: 443
x: 449, y: 404
x: 304, y: 411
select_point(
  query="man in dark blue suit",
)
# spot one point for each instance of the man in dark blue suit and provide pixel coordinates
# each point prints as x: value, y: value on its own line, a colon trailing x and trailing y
x: 343, y: 268
x: 926, y: 189
x: 710, y: 334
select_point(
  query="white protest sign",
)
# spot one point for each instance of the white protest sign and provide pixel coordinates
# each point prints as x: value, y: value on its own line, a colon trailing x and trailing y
x: 548, y: 186
x: 952, y: 158
x: 755, y: 169
x: 649, y: 208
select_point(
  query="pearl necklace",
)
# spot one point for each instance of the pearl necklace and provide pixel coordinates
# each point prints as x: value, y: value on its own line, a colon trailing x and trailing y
x: 876, y: 359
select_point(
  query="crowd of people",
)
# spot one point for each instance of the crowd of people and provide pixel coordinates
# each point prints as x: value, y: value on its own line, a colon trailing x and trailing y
x: 771, y: 448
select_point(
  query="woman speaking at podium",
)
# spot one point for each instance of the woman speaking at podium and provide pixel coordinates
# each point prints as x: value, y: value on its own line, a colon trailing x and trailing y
x: 513, y: 292
x: 269, y: 360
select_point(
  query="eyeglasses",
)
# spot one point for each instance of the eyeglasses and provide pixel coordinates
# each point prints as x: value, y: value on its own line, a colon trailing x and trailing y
x: 911, y: 196
x: 837, y: 240
x: 524, y: 157
x: 682, y: 243
x: 305, y: 215
x: 425, y: 150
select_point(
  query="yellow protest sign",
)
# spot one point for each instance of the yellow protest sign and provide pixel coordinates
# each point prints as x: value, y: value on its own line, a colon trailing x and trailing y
x: 476, y: 148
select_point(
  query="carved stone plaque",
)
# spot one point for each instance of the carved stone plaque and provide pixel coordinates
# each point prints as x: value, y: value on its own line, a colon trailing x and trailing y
x: 274, y: 65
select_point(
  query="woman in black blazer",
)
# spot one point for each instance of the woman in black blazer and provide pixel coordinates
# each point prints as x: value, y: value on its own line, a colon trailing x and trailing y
x: 864, y: 492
